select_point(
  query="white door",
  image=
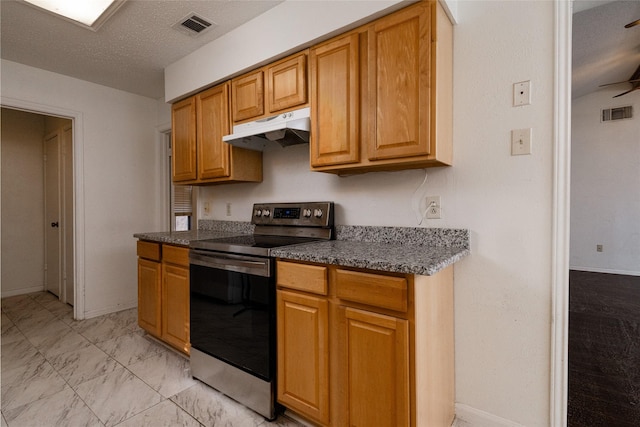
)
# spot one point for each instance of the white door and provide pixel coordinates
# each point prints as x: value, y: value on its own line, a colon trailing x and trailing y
x: 52, y: 270
x: 67, y: 215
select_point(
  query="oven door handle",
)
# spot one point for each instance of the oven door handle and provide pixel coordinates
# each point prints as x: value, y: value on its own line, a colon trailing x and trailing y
x: 260, y: 267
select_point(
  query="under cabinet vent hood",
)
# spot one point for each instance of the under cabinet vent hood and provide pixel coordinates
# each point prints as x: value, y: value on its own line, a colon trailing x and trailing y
x: 287, y: 129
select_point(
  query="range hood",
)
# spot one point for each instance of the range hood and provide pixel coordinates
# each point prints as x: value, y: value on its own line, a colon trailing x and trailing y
x: 287, y: 129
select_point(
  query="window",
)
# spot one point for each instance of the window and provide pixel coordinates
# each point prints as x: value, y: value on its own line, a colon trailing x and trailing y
x: 182, y: 198
x: 182, y: 211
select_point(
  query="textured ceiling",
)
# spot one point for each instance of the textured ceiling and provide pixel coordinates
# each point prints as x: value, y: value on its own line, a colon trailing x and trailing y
x: 132, y: 48
x: 603, y: 50
x: 129, y: 52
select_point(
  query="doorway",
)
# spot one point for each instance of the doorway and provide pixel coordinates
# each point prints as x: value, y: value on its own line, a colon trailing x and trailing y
x: 604, y: 271
x: 37, y: 196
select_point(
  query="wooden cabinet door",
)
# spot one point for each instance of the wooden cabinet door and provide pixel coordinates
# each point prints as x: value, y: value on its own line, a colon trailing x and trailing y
x: 213, y: 124
x: 149, y: 296
x: 335, y: 104
x: 247, y: 96
x: 399, y: 64
x: 183, y: 140
x: 175, y: 307
x: 303, y: 354
x: 287, y: 83
x: 376, y: 374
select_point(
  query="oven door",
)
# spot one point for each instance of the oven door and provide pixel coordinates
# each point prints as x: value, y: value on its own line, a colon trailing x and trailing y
x: 233, y: 310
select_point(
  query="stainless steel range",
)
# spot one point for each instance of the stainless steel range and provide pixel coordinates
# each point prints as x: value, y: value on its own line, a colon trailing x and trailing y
x: 233, y: 304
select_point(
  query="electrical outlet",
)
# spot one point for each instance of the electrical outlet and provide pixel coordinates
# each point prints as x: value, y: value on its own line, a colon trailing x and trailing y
x: 207, y: 208
x: 228, y: 209
x: 433, y: 207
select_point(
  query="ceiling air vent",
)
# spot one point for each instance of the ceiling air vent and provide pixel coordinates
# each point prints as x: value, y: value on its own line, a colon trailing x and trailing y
x: 619, y: 113
x: 193, y: 25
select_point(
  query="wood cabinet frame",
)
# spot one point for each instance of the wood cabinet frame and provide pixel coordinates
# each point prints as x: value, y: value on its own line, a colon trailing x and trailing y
x: 405, y: 105
x: 275, y: 88
x: 199, y: 154
x: 364, y: 334
x: 163, y: 293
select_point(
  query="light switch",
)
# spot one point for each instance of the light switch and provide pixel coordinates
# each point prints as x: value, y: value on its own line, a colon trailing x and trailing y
x: 520, y: 142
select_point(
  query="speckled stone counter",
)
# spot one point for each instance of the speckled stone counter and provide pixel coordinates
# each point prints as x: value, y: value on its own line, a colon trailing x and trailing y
x: 207, y: 230
x: 423, y: 251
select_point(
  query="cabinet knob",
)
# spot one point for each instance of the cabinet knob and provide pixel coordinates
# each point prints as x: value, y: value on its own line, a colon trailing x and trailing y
x: 55, y: 224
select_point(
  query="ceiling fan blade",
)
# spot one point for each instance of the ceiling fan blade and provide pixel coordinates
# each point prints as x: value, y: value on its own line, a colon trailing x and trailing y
x: 624, y: 93
x: 633, y: 24
x: 617, y: 83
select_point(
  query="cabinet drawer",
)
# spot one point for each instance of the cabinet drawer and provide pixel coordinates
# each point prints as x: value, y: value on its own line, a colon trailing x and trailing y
x: 372, y: 289
x: 175, y: 255
x: 303, y: 277
x: 149, y: 250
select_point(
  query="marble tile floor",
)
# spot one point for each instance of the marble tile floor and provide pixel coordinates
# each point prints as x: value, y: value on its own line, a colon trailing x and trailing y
x: 104, y: 371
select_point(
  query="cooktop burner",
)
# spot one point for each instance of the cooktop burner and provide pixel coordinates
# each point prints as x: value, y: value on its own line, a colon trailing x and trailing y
x: 249, y: 244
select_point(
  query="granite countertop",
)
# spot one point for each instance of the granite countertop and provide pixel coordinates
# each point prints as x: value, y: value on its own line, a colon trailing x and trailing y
x: 206, y: 230
x: 412, y: 259
x: 182, y: 238
x: 423, y: 251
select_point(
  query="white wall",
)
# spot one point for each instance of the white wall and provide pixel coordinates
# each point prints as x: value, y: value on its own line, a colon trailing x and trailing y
x: 605, y: 185
x: 288, y: 27
x: 22, y: 202
x: 120, y: 175
x: 503, y: 290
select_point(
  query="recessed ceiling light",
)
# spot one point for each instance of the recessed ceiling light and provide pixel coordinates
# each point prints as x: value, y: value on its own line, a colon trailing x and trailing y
x: 89, y: 14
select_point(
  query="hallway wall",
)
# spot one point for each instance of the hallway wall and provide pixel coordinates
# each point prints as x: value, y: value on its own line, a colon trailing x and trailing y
x: 22, y: 202
x: 605, y: 173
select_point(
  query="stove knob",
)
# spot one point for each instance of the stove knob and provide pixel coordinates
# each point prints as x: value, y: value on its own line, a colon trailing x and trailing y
x: 266, y: 213
x: 257, y: 212
x: 317, y: 213
x: 306, y: 213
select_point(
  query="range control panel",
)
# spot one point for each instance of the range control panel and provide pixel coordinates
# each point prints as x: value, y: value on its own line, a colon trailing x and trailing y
x: 307, y: 214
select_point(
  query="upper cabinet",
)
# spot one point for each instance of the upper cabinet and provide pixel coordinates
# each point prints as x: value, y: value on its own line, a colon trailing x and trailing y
x: 277, y: 87
x: 398, y: 80
x: 183, y: 140
x: 381, y: 98
x: 199, y: 156
x: 247, y: 99
x: 382, y: 94
x: 335, y: 102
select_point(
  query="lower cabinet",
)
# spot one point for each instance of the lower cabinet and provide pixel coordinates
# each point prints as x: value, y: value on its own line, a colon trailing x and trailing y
x: 376, y: 368
x: 163, y: 293
x: 303, y: 362
x: 365, y: 348
x: 149, y: 296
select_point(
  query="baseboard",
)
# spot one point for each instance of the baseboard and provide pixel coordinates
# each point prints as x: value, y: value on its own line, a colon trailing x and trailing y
x: 605, y: 270
x: 109, y: 310
x: 477, y: 418
x: 290, y: 414
x: 22, y: 291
